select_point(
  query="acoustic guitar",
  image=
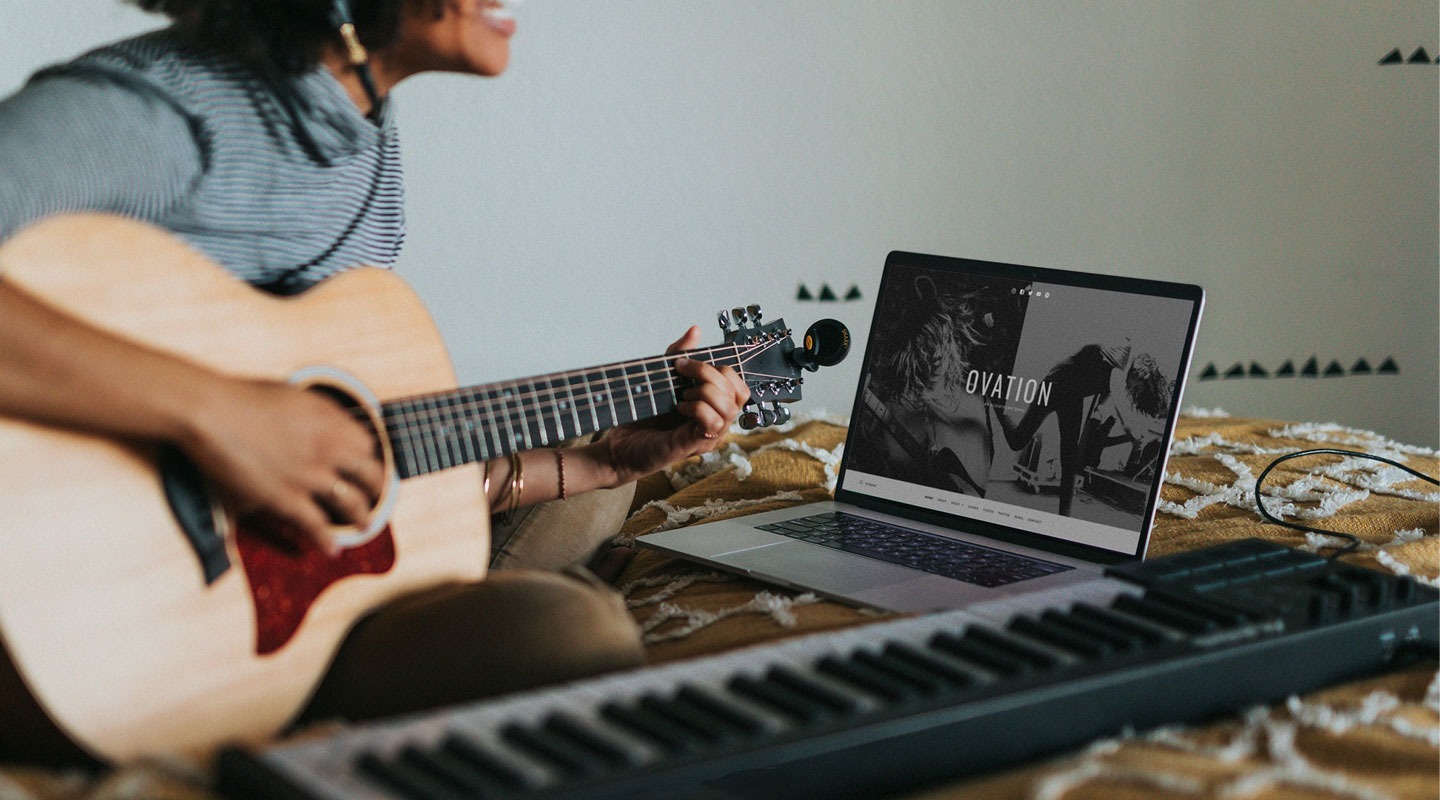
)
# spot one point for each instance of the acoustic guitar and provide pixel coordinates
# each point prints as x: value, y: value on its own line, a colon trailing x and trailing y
x: 137, y: 618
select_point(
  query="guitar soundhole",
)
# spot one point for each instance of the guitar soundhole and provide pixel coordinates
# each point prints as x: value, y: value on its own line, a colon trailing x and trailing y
x: 286, y: 579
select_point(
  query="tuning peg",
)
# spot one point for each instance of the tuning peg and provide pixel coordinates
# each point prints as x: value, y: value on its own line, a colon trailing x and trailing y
x: 739, y: 315
x: 724, y: 318
x: 782, y: 413
x: 755, y: 314
x: 750, y: 420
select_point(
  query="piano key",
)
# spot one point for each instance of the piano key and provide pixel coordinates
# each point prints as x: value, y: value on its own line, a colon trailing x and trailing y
x: 980, y: 654
x: 559, y: 754
x: 838, y: 701
x: 1150, y: 632
x: 696, y: 720
x: 1116, y: 637
x: 946, y: 668
x: 564, y: 725
x: 411, y: 783
x: 1036, y: 656
x: 867, y: 678
x: 926, y: 682
x: 731, y: 714
x: 654, y: 728
x: 483, y: 762
x: 1057, y: 636
x: 460, y: 773
x: 1170, y: 616
x: 794, y: 704
x: 1200, y: 606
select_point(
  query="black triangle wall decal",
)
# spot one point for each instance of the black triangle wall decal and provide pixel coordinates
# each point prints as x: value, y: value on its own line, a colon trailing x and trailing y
x: 1389, y: 367
x: 1361, y: 367
x: 1210, y: 373
x: 826, y: 293
x: 854, y: 293
x: 1237, y: 371
x: 1257, y: 371
x: 804, y: 293
x: 1393, y: 57
x: 1311, y: 368
x: 1420, y: 57
x: 1334, y: 370
x: 1287, y: 370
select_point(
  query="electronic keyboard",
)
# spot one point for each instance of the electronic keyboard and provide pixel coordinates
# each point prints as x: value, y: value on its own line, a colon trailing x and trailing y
x: 894, y: 705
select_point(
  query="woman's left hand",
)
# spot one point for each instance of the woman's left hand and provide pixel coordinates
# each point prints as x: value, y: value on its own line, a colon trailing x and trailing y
x: 698, y: 425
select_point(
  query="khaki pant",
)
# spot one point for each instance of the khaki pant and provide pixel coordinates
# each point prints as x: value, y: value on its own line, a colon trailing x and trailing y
x: 514, y: 630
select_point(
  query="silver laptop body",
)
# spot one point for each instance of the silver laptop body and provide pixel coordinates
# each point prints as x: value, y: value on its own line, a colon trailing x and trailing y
x: 1023, y: 411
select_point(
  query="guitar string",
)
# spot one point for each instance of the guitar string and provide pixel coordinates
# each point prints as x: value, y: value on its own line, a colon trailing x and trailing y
x: 409, y: 428
x: 598, y: 374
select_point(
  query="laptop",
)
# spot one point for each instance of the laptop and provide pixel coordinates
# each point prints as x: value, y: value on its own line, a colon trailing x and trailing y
x: 1009, y: 435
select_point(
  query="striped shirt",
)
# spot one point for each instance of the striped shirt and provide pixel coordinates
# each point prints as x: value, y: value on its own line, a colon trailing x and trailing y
x: 281, y: 182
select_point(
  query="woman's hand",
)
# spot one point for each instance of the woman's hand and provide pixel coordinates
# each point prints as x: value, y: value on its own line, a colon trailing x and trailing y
x: 292, y: 460
x: 706, y: 411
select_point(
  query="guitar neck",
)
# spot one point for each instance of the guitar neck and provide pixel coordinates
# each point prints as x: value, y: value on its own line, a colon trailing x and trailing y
x: 447, y: 429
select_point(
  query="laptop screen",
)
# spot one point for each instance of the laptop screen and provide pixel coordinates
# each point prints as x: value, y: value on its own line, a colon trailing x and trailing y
x: 1031, y: 401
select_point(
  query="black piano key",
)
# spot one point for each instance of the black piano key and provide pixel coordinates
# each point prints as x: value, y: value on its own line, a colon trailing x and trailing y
x: 789, y: 702
x: 1150, y: 632
x: 944, y: 668
x: 462, y: 774
x: 732, y: 715
x: 486, y: 763
x: 980, y: 654
x: 1200, y: 606
x: 558, y: 753
x: 406, y: 780
x: 1116, y: 637
x: 867, y: 678
x: 788, y: 676
x: 1057, y: 636
x: 652, y: 727
x: 926, y: 682
x: 1164, y: 614
x: 1033, y: 655
x: 699, y: 722
x: 568, y: 727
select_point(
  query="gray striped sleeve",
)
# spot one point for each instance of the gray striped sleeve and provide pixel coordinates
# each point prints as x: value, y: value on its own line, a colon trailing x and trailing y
x: 70, y: 143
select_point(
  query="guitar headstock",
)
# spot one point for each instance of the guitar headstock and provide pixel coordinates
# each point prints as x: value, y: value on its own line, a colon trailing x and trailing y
x: 770, y: 364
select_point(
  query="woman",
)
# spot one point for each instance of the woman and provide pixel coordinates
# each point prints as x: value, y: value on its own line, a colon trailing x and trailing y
x: 260, y: 132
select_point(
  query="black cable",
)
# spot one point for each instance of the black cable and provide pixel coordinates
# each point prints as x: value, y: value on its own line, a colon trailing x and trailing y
x: 1353, y: 539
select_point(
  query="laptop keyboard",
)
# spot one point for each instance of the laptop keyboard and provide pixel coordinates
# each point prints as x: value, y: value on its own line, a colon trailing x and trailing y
x: 938, y: 555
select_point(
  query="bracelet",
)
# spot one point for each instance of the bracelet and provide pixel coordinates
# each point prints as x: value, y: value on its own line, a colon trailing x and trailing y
x: 517, y: 483
x: 560, y: 468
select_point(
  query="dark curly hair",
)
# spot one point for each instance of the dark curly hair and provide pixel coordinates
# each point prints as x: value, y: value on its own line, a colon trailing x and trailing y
x: 1148, y: 387
x: 284, y: 36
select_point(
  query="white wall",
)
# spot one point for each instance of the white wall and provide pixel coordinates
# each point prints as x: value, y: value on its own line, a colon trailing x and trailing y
x: 647, y: 162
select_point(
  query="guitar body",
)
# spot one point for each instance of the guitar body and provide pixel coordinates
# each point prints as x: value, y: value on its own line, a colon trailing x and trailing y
x: 105, y: 612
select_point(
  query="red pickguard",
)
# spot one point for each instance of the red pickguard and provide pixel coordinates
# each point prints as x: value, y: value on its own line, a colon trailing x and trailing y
x: 284, y: 583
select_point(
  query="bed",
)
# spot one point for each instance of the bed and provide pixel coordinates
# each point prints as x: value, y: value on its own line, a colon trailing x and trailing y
x: 1374, y: 738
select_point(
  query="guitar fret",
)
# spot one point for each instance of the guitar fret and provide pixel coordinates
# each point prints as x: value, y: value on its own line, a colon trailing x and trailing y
x: 561, y: 407
x: 592, y: 398
x: 574, y: 410
x: 454, y: 428
x: 538, y: 415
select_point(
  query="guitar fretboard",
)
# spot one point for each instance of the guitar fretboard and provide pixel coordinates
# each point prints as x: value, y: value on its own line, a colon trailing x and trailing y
x: 438, y: 431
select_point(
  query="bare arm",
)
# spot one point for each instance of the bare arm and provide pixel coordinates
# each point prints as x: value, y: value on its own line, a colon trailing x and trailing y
x: 274, y: 451
x: 629, y: 452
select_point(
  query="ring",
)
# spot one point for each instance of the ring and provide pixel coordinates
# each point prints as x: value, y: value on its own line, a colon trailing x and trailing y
x: 709, y: 435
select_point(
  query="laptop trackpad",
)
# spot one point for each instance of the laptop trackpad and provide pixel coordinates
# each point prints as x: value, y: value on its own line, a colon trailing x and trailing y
x: 819, y: 568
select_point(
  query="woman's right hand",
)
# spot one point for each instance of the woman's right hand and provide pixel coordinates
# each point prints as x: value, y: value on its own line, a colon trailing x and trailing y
x: 291, y: 460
